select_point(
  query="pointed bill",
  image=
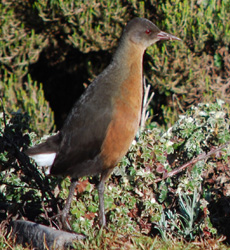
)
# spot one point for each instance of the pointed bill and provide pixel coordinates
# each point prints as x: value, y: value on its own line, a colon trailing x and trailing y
x: 165, y: 36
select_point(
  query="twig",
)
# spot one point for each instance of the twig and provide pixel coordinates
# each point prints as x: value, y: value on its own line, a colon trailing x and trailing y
x: 4, y: 114
x: 146, y: 101
x: 178, y: 102
x: 200, y: 157
x: 3, y: 232
x: 17, y: 186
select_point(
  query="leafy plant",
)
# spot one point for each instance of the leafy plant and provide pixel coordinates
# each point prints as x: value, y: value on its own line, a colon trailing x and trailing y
x: 182, y: 224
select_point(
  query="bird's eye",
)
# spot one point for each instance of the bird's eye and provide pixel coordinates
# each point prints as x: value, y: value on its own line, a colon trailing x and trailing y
x: 148, y: 31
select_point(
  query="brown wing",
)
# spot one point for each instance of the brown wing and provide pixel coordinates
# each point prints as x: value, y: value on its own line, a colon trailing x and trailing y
x: 84, y: 132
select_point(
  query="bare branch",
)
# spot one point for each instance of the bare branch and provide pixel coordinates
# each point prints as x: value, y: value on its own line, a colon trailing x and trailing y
x: 200, y: 157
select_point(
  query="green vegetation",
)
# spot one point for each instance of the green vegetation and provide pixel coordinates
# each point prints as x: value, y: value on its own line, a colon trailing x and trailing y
x: 50, y: 46
x: 138, y: 200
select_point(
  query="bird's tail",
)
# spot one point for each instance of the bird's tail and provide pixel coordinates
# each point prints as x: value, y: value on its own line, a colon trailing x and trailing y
x: 45, y: 153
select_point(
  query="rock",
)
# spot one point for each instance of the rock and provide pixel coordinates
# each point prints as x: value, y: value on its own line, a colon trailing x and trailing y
x: 41, y: 237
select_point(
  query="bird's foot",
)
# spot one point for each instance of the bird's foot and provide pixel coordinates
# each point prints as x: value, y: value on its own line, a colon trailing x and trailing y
x: 63, y: 221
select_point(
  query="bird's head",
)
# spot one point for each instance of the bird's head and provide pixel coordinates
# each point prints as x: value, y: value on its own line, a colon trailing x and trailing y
x: 144, y: 33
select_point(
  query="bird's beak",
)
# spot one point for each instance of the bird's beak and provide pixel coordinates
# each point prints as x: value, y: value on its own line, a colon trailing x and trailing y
x: 165, y: 36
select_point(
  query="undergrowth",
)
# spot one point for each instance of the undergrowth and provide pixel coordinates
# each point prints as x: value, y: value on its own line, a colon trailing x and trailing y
x: 140, y: 201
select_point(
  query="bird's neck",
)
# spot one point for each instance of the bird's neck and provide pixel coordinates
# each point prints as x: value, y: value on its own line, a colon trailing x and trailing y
x: 128, y: 54
x: 128, y: 75
x: 128, y: 64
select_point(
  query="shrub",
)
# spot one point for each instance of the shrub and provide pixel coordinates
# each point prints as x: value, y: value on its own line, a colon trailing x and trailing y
x: 197, y: 69
x: 19, y: 48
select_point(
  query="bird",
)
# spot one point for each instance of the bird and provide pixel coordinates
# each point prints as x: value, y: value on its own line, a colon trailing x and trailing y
x: 104, y: 121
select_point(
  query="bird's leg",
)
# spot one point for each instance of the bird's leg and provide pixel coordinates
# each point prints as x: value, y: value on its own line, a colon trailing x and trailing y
x: 101, y: 189
x: 66, y: 209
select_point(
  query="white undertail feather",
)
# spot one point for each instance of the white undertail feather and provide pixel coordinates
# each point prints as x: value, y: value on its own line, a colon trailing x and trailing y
x: 44, y: 159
